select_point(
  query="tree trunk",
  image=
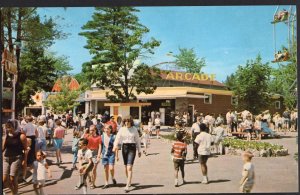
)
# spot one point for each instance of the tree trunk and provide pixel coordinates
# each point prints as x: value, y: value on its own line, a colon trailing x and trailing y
x: 9, y: 30
x: 2, y: 31
x: 125, y: 88
x: 18, y: 52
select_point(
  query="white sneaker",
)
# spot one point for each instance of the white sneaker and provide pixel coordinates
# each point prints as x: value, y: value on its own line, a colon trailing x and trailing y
x: 176, y: 183
x: 126, y: 189
x: 205, y: 180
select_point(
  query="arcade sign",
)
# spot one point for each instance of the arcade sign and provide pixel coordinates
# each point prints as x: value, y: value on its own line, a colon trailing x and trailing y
x: 190, y: 76
x: 9, y: 62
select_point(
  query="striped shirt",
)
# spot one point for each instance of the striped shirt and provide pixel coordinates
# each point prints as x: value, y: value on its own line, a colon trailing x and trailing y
x: 178, y: 148
x: 59, y: 132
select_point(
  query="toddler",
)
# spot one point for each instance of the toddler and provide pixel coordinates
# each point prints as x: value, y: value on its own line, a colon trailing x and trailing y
x: 145, y: 138
x: 150, y: 127
x: 247, y: 180
x: 39, y: 167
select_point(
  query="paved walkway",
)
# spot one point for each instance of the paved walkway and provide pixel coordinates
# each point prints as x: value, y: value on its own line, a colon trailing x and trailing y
x: 154, y: 173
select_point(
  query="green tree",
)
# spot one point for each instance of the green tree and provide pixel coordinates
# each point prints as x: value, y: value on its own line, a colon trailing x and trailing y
x: 36, y: 35
x: 42, y: 77
x: 283, y: 79
x: 251, y: 85
x: 230, y: 82
x: 115, y: 38
x: 66, y: 99
x: 187, y: 59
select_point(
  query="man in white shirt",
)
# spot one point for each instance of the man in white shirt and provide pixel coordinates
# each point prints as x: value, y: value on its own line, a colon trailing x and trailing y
x: 30, y: 130
x: 205, y: 141
x: 152, y: 116
x: 219, y: 136
x: 195, y: 132
x: 94, y: 120
x: 157, y: 126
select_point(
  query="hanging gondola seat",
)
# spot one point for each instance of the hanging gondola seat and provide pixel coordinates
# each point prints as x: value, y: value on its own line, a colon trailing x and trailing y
x: 281, y: 57
x: 278, y: 18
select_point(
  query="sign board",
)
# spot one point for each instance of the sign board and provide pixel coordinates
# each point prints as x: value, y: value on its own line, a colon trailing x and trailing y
x: 9, y: 62
x: 190, y: 76
x: 7, y: 93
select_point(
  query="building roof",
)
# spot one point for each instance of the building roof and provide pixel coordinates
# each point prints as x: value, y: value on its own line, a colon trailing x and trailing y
x: 73, y: 85
x: 191, y: 78
x: 164, y: 93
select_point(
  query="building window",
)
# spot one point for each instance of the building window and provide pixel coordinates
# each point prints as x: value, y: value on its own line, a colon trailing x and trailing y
x: 208, y: 98
x: 234, y: 100
x: 277, y: 105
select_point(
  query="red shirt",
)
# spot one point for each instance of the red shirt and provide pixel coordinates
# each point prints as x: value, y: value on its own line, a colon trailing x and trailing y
x: 94, y: 141
x: 178, y: 148
x: 113, y: 124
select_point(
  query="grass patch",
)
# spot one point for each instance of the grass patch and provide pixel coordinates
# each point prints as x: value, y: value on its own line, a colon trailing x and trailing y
x: 169, y: 136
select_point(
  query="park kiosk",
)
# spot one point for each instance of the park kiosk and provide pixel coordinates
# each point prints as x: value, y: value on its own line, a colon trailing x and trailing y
x: 125, y: 109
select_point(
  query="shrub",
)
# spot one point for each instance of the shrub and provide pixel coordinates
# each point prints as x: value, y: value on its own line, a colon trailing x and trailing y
x: 244, y: 145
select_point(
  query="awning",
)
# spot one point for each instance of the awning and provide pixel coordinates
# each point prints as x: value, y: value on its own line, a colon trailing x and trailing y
x: 163, y: 93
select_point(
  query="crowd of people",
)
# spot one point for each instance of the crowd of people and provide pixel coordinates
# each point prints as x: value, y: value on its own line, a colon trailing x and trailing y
x: 98, y: 139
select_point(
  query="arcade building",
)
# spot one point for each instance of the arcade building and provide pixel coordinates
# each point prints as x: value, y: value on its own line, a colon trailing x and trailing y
x: 177, y: 91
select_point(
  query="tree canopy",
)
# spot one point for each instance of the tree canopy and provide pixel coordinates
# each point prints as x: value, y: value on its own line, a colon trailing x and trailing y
x: 188, y: 60
x: 66, y: 99
x: 116, y: 40
x: 250, y: 85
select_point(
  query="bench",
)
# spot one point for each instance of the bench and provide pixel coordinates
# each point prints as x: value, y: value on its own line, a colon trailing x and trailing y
x: 244, y: 134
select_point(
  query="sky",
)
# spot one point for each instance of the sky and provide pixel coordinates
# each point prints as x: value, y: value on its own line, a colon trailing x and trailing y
x: 226, y: 36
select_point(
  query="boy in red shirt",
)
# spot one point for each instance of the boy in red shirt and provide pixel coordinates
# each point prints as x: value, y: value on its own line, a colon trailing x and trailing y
x: 179, y: 150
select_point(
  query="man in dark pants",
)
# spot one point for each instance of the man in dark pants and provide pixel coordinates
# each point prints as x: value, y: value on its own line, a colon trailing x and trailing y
x: 195, y: 131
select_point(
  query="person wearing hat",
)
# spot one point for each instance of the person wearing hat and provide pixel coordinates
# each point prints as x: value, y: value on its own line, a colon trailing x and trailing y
x: 113, y: 123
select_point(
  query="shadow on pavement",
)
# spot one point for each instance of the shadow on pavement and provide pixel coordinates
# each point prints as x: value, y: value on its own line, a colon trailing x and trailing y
x: 149, y: 154
x: 191, y: 182
x: 219, y: 181
x: 140, y: 187
x: 48, y: 183
x: 66, y: 174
